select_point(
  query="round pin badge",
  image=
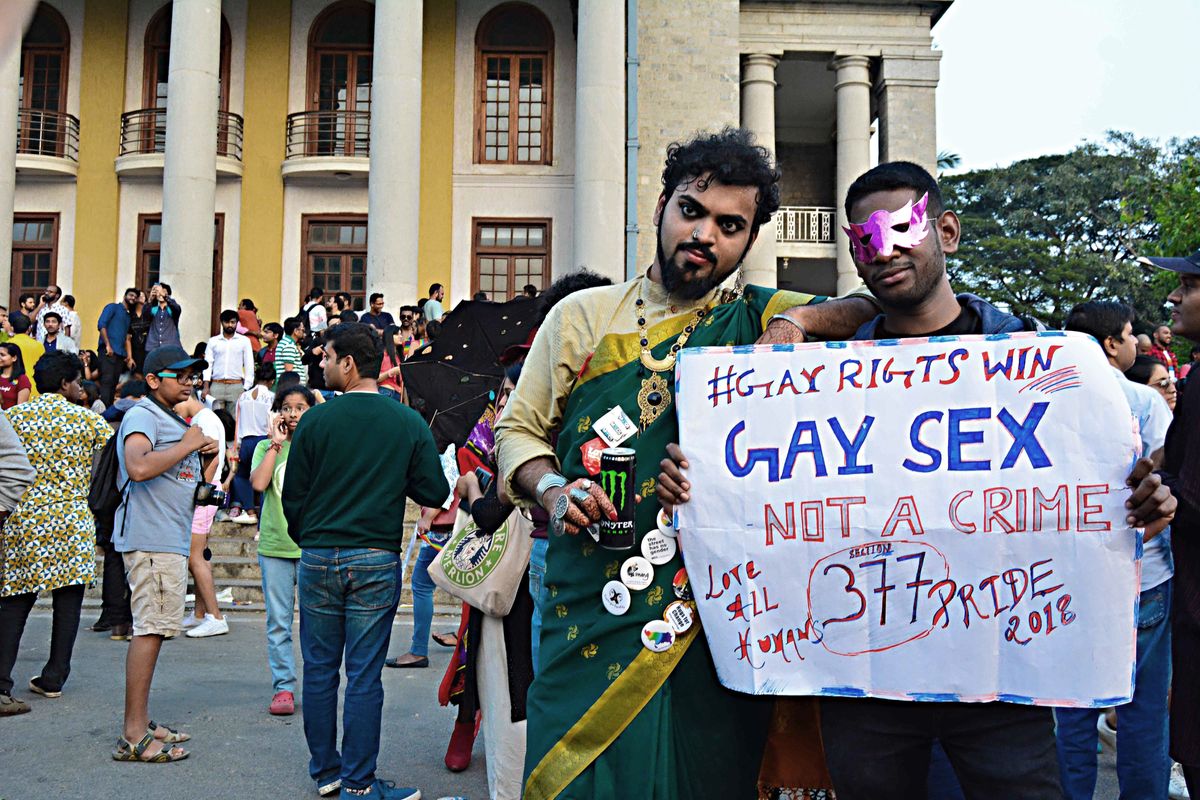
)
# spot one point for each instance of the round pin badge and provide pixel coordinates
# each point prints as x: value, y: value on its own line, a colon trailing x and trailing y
x: 681, y: 585
x: 636, y: 573
x: 657, y: 636
x: 666, y: 525
x: 616, y: 598
x: 679, y: 616
x: 658, y: 549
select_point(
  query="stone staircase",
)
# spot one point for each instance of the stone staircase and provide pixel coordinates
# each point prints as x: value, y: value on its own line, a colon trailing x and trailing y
x: 235, y: 568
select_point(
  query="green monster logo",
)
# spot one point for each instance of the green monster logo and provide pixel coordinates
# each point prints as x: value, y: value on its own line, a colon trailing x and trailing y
x: 609, y: 479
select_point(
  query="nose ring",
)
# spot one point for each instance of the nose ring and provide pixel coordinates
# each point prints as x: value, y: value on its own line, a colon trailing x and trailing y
x: 695, y: 234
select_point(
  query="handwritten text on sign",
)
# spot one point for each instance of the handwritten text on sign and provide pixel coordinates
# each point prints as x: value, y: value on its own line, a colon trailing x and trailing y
x: 935, y: 520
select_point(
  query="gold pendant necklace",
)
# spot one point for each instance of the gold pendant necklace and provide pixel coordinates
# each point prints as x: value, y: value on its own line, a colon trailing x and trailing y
x: 649, y: 361
x: 655, y: 394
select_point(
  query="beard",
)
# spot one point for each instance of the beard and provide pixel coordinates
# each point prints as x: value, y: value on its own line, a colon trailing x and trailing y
x: 673, y: 274
x: 907, y: 299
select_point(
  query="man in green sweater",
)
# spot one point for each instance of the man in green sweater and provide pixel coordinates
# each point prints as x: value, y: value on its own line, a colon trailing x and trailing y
x: 353, y: 461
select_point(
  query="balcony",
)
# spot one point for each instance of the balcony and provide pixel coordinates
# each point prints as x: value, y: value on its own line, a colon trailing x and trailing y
x: 47, y: 143
x: 328, y: 144
x: 805, y: 224
x: 144, y: 141
x: 805, y: 232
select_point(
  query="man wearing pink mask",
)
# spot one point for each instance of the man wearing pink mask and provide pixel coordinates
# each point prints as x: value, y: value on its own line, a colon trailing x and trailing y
x: 877, y: 749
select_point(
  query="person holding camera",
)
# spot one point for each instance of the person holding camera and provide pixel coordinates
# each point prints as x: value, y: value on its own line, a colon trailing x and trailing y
x: 160, y: 471
x: 162, y: 312
x: 206, y: 618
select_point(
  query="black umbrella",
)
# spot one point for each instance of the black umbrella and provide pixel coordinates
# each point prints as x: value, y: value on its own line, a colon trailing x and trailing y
x: 450, y: 380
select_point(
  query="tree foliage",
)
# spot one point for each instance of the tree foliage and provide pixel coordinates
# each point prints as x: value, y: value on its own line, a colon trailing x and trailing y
x: 1046, y: 233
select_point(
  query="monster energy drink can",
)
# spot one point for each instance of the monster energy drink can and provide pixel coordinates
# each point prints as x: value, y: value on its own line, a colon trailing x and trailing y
x: 617, y: 466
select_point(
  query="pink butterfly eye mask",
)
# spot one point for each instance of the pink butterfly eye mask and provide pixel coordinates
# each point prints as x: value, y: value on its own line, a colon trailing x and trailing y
x: 879, y: 235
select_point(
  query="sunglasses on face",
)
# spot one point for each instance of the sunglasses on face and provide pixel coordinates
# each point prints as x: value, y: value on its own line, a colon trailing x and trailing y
x: 1164, y: 383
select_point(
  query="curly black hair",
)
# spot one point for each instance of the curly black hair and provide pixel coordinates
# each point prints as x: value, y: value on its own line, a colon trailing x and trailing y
x: 730, y: 157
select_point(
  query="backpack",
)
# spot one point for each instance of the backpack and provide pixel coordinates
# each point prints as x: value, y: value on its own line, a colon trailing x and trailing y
x: 106, y: 492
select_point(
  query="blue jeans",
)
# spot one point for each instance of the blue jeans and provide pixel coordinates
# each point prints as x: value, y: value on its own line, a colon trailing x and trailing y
x: 422, y: 590
x: 241, y: 493
x: 537, y: 582
x: 279, y: 594
x: 348, y: 598
x: 1143, y: 767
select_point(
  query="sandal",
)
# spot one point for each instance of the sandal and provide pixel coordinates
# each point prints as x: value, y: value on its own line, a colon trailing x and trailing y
x: 446, y: 639
x: 136, y: 752
x: 173, y: 736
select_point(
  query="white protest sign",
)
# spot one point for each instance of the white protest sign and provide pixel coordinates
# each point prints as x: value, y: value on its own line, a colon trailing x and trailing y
x: 929, y: 519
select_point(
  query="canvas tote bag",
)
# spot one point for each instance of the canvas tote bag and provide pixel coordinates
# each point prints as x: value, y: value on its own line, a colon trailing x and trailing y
x: 485, y: 570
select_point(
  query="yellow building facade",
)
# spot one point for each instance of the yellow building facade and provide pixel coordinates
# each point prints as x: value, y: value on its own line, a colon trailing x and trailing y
x: 258, y: 148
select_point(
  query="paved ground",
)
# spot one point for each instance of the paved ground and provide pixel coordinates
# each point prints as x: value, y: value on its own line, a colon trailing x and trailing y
x: 218, y: 689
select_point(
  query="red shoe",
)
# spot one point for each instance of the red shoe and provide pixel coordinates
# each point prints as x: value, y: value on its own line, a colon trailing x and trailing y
x: 458, y: 754
x: 283, y: 704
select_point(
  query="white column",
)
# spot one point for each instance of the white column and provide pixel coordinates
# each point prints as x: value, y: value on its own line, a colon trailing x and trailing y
x: 394, y: 186
x: 906, y: 92
x: 758, y: 116
x: 599, y: 212
x: 853, y: 87
x: 10, y: 73
x: 190, y: 168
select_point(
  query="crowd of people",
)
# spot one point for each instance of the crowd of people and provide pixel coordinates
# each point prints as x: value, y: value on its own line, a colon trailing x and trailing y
x: 138, y: 447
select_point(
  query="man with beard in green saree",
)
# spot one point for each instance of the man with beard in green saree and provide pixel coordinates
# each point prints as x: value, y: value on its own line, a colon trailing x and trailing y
x: 607, y: 717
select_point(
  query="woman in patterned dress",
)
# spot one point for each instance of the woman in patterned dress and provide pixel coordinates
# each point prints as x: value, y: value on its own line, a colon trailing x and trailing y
x: 50, y: 538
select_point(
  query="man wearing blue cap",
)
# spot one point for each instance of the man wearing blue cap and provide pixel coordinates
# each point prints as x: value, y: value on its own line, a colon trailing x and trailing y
x: 160, y: 458
x: 1181, y: 472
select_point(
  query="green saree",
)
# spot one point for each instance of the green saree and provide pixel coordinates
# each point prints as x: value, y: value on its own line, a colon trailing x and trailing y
x: 608, y: 718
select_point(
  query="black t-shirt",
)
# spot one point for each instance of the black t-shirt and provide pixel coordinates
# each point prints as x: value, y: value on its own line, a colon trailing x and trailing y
x: 967, y: 322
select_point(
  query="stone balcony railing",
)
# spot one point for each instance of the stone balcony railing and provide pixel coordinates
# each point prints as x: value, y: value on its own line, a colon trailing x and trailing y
x: 805, y: 224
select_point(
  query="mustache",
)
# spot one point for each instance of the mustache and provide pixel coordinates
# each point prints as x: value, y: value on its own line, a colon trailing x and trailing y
x: 703, y: 250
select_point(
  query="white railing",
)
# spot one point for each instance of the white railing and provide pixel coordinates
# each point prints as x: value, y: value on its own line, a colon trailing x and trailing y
x: 805, y: 224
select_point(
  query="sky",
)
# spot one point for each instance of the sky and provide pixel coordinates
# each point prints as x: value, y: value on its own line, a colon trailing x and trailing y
x: 1022, y: 78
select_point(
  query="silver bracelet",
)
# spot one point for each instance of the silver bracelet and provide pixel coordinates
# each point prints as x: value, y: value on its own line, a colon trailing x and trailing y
x: 551, y: 480
x: 791, y: 321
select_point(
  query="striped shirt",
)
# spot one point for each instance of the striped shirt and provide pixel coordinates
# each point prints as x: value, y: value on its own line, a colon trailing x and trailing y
x: 286, y: 352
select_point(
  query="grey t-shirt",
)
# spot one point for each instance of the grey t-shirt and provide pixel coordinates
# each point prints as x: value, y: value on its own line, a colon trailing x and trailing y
x: 159, y: 510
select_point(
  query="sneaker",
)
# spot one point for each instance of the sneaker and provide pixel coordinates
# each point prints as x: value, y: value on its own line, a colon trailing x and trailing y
x: 329, y: 787
x: 211, y: 626
x: 190, y: 621
x: 244, y: 519
x: 387, y: 790
x: 11, y: 706
x: 37, y: 688
x: 1177, y: 789
x: 225, y: 595
x: 1108, y: 734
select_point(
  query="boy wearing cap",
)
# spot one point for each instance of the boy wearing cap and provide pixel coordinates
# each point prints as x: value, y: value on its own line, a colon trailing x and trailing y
x: 159, y: 458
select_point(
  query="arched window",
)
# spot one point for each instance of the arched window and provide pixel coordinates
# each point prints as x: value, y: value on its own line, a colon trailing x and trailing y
x: 339, y: 80
x: 43, y: 84
x: 145, y: 131
x: 157, y: 61
x: 514, y: 63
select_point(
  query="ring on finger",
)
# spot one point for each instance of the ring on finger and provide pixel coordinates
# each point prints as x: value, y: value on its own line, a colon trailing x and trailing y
x: 579, y: 495
x: 586, y: 485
